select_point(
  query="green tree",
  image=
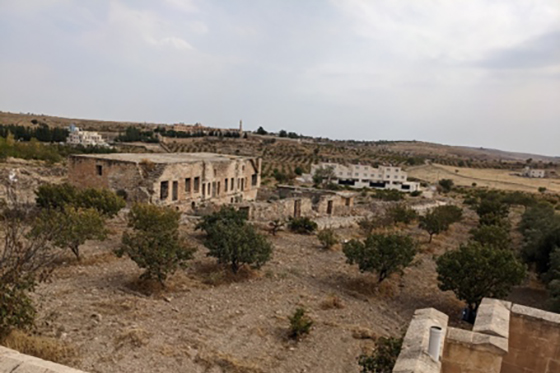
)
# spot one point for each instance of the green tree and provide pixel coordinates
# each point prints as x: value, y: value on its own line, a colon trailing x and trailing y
x: 261, y: 131
x: 381, y: 253
x: 57, y: 196
x: 383, y: 358
x: 226, y: 215
x: 491, y: 210
x: 237, y: 245
x: 474, y: 271
x: 540, y: 226
x: 298, y: 170
x: 282, y: 133
x: 446, y: 185
x: 400, y: 213
x: 105, y: 201
x: 439, y: 219
x: 25, y: 260
x: 154, y: 243
x: 328, y: 238
x: 495, y: 236
x: 73, y: 227
x: 324, y: 175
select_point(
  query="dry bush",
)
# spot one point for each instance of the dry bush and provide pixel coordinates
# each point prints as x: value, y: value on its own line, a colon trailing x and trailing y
x: 134, y: 337
x: 332, y: 302
x: 45, y: 348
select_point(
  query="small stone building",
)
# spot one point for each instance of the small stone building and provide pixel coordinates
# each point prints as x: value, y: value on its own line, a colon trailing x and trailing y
x: 183, y: 180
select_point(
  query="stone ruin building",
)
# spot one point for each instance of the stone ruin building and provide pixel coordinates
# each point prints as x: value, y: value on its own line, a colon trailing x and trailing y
x: 181, y: 180
x: 505, y: 338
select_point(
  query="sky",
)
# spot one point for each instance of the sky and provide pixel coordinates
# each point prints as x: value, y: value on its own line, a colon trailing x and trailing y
x: 483, y: 73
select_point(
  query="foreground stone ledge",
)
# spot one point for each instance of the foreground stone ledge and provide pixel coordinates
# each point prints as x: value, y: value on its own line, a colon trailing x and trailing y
x: 414, y: 354
x: 14, y: 362
x: 493, y: 318
x: 478, y: 341
x: 535, y: 314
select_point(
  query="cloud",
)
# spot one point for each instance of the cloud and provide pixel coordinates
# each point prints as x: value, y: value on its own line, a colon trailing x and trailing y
x: 539, y: 52
x: 186, y: 6
x: 173, y: 42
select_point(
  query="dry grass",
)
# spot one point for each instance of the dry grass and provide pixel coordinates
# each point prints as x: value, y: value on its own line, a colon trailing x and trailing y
x: 491, y: 178
x: 227, y: 363
x: 45, y: 348
x: 332, y: 302
x: 134, y: 337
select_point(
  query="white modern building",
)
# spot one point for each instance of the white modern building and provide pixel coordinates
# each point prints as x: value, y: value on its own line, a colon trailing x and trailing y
x: 531, y: 172
x: 365, y: 176
x: 85, y: 138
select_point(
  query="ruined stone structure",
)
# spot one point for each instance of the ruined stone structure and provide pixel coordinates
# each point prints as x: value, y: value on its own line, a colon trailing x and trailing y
x: 302, y: 202
x: 182, y: 180
x: 506, y: 338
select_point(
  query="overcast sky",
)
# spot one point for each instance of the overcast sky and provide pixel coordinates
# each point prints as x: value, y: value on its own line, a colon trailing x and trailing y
x: 463, y: 72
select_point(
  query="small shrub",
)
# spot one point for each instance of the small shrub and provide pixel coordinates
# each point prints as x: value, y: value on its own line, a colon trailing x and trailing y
x: 383, y: 358
x: 302, y: 225
x: 300, y: 324
x: 328, y: 238
x: 416, y: 193
x: 275, y: 226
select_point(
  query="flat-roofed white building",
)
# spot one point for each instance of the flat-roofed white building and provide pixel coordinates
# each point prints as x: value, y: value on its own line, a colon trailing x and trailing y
x: 360, y: 176
x: 84, y: 138
x: 531, y: 172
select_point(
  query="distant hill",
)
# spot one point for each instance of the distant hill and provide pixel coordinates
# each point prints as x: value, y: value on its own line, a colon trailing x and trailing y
x: 403, y: 148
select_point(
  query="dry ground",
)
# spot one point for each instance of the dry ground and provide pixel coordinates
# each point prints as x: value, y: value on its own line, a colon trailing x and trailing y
x: 205, y: 322
x: 493, y: 178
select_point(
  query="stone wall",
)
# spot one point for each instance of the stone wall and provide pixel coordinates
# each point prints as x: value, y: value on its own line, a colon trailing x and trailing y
x: 13, y: 362
x: 534, y: 341
x: 506, y: 338
x: 414, y: 356
x: 189, y: 183
x: 482, y: 349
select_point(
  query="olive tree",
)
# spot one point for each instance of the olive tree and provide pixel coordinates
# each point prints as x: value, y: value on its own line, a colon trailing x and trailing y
x: 475, y: 271
x: 381, y: 253
x: 154, y: 242
x: 439, y: 219
x: 237, y: 245
x: 72, y: 227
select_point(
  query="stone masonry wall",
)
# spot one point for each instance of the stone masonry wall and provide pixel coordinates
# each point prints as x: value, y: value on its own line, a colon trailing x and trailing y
x: 534, y: 342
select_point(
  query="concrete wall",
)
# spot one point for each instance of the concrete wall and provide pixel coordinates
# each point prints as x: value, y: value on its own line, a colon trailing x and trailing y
x: 534, y: 341
x: 13, y: 362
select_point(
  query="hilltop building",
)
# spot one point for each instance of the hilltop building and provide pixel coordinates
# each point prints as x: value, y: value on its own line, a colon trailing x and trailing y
x: 183, y: 180
x: 84, y: 138
x: 198, y: 128
x: 535, y: 173
x: 364, y: 176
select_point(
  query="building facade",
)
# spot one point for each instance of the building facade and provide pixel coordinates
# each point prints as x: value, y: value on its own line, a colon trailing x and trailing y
x: 365, y: 176
x: 531, y: 172
x: 183, y: 180
x: 85, y: 138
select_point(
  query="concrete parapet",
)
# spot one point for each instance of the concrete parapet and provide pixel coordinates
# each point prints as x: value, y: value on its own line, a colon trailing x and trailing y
x: 414, y: 354
x: 493, y: 318
x: 14, y: 362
